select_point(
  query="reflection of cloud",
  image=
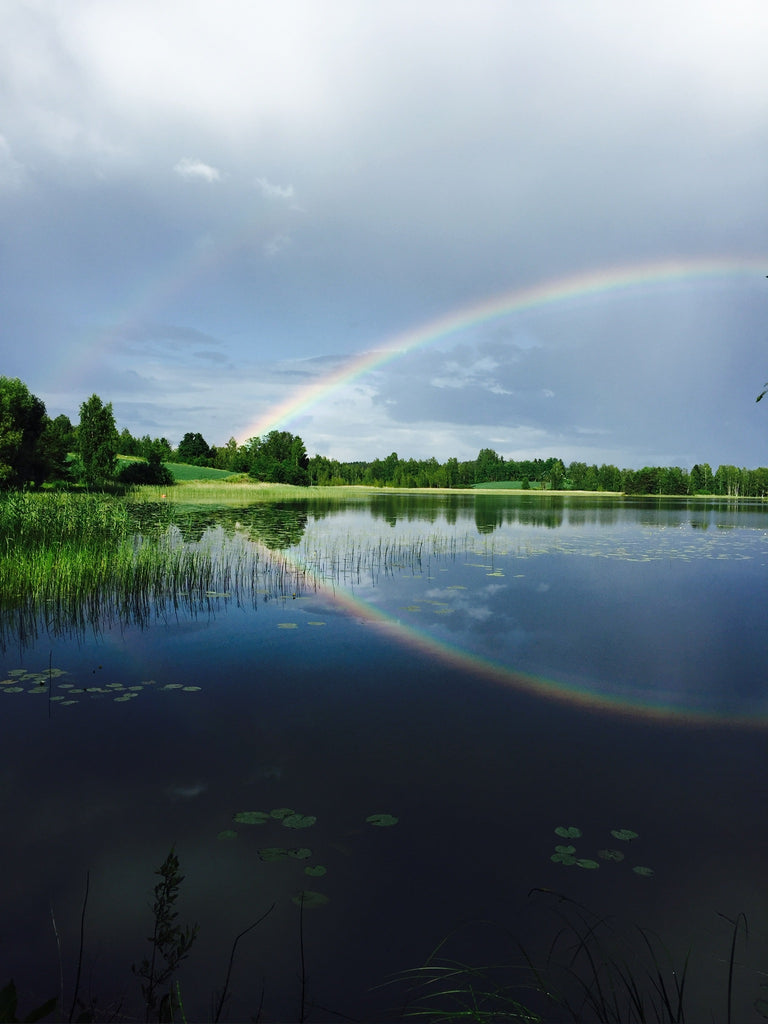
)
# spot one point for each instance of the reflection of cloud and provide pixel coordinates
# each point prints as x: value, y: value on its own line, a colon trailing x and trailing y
x: 192, y: 170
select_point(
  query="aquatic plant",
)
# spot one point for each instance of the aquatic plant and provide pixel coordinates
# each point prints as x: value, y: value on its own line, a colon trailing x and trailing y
x: 170, y: 942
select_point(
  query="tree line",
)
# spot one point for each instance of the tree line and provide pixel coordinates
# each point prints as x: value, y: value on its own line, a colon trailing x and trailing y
x: 35, y: 449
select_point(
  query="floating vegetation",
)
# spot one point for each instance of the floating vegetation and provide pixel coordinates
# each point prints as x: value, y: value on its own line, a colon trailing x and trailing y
x: 610, y: 855
x: 315, y: 872
x: 567, y: 855
x: 382, y: 820
x: 227, y: 833
x: 625, y: 834
x: 252, y: 817
x: 299, y: 820
x: 309, y: 900
x: 45, y: 681
x: 568, y: 832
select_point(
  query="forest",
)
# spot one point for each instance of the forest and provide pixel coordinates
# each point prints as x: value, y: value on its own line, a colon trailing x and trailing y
x: 36, y: 450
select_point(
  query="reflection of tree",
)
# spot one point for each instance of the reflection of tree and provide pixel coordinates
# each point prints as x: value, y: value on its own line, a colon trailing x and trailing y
x: 275, y: 526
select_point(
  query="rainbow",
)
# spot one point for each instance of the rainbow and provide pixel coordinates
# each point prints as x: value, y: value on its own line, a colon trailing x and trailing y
x: 579, y: 695
x: 611, y: 281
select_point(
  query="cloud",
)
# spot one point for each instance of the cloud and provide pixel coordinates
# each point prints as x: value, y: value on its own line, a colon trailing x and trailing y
x: 277, y: 244
x: 196, y: 170
x: 270, y: 191
x: 11, y: 171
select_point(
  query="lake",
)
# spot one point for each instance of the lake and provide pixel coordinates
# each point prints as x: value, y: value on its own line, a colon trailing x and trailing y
x: 513, y: 678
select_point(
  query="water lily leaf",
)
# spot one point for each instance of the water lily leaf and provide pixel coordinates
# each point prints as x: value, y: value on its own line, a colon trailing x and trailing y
x: 382, y: 820
x: 299, y: 820
x: 316, y: 872
x: 287, y: 625
x: 251, y: 817
x: 310, y: 900
x: 625, y: 834
x: 191, y: 689
x: 173, y: 686
x: 565, y: 849
x: 301, y: 853
x: 645, y: 872
x: 281, y: 812
x: 272, y: 853
x: 610, y: 854
x: 14, y: 689
x: 587, y: 863
x: 228, y: 833
x: 568, y: 831
x: 563, y: 858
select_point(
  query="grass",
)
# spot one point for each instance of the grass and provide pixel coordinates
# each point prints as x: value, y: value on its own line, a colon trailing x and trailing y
x: 83, y: 560
x: 594, y: 970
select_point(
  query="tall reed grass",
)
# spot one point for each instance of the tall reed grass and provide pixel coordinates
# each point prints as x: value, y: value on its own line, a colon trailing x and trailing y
x: 72, y: 561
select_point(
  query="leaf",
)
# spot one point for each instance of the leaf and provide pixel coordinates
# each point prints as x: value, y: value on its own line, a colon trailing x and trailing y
x: 625, y: 834
x: 281, y: 812
x: 563, y: 858
x: 565, y: 849
x: 382, y: 820
x: 299, y: 820
x: 568, y: 832
x: 301, y: 853
x: 251, y: 817
x: 644, y: 872
x: 610, y: 854
x: 310, y: 900
x: 269, y: 853
x: 316, y: 872
x: 228, y: 833
x: 586, y: 863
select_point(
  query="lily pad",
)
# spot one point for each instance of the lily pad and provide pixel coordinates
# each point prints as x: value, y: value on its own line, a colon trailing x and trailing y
x: 625, y: 834
x: 645, y: 872
x: 563, y: 858
x: 587, y: 863
x: 281, y: 812
x: 316, y: 872
x: 565, y: 849
x: 310, y: 900
x: 382, y: 820
x: 301, y: 853
x: 299, y: 820
x: 228, y: 833
x: 568, y: 831
x: 610, y: 854
x: 191, y: 689
x: 251, y: 817
x: 272, y: 853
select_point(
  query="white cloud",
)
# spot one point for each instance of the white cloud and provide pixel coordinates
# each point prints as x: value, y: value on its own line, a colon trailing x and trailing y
x: 192, y: 169
x: 277, y: 244
x: 271, y: 191
x: 11, y: 171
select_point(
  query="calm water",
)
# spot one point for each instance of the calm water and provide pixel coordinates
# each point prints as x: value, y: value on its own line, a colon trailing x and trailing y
x: 484, y: 669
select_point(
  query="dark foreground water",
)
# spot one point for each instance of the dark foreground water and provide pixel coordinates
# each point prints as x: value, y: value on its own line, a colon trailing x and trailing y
x: 514, y: 666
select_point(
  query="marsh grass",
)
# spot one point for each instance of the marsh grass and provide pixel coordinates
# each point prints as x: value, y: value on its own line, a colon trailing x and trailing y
x: 78, y: 561
x: 594, y: 969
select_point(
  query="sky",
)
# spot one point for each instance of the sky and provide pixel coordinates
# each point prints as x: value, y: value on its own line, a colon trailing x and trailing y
x: 421, y: 227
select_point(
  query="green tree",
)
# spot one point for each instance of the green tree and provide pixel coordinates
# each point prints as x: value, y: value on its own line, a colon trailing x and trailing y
x: 56, y: 442
x: 22, y: 420
x: 194, y: 449
x: 280, y: 457
x: 97, y: 441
